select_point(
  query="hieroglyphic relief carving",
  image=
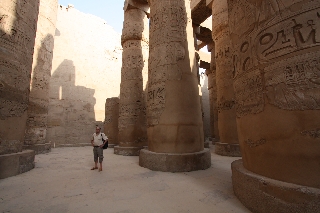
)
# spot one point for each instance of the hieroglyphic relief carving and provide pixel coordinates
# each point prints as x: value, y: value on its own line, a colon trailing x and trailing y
x: 134, y: 74
x: 315, y: 133
x: 166, y: 49
x: 17, y: 33
x: 291, y: 84
x: 254, y: 144
x: 249, y: 93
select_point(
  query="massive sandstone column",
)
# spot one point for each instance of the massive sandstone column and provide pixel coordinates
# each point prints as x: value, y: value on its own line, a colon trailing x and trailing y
x: 111, y: 121
x: 132, y: 109
x: 212, y: 87
x: 175, y: 132
x: 35, y: 137
x: 229, y: 144
x: 18, y: 22
x: 277, y: 86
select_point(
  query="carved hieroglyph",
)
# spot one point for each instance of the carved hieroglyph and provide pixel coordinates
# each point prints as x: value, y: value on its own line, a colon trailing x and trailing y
x: 18, y: 22
x: 111, y: 120
x: 173, y: 106
x: 41, y: 73
x: 134, y: 74
x: 224, y: 73
x: 277, y: 75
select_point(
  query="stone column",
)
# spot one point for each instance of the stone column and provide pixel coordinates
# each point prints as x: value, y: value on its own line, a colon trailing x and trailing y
x: 18, y: 23
x: 212, y: 87
x: 35, y: 137
x: 132, y: 105
x: 229, y: 144
x: 277, y: 87
x: 175, y: 132
x: 111, y: 121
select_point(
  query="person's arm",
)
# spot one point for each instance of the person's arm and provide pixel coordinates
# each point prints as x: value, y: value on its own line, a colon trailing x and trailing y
x: 92, y: 141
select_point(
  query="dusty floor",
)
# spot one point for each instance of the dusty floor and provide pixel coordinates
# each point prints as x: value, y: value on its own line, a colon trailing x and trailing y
x: 63, y: 182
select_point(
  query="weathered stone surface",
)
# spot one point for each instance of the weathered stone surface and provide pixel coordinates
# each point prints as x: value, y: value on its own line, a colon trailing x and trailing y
x: 174, y: 162
x: 263, y: 195
x: 173, y: 108
x: 85, y: 72
x: 134, y: 75
x: 212, y: 88
x: 276, y: 65
x: 16, y: 163
x: 18, y: 29
x: 40, y: 77
x: 201, y: 10
x: 111, y: 121
x: 127, y: 151
x: 38, y: 148
x: 227, y: 149
x: 224, y: 74
x: 173, y: 83
x: 205, y: 106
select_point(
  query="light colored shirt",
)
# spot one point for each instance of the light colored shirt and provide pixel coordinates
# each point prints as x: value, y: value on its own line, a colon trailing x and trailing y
x: 97, y: 139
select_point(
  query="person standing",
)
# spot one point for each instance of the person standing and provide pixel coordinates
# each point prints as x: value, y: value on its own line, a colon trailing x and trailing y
x: 97, y: 144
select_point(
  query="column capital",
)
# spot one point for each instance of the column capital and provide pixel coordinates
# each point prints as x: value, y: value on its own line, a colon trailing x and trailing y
x: 137, y: 4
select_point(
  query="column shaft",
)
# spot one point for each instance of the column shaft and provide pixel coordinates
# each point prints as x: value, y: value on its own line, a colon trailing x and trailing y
x: 35, y: 137
x: 175, y: 132
x: 18, y: 25
x: 228, y: 144
x: 132, y: 105
x: 277, y: 88
x: 111, y: 121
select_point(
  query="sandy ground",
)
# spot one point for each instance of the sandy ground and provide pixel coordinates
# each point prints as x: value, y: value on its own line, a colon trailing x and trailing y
x: 63, y: 182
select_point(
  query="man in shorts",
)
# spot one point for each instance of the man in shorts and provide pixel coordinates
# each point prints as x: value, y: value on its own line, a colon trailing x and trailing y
x: 97, y: 144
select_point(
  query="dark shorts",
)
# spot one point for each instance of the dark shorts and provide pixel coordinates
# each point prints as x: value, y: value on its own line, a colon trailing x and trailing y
x: 97, y: 152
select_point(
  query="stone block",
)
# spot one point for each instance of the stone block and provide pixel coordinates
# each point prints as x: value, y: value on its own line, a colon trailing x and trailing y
x: 264, y: 195
x: 16, y: 163
x: 170, y: 162
x: 226, y: 149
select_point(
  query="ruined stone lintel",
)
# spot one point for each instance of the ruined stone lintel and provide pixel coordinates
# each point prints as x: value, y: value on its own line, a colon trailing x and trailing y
x: 263, y: 195
x: 226, y: 149
x: 16, y: 163
x: 127, y: 151
x: 137, y: 4
x: 38, y: 148
x: 171, y: 162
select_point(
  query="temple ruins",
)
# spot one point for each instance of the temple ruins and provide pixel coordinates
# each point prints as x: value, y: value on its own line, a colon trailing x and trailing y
x: 242, y: 76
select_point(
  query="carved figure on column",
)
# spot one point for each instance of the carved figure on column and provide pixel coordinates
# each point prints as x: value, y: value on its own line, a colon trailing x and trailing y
x: 229, y: 144
x: 175, y: 132
x: 276, y: 71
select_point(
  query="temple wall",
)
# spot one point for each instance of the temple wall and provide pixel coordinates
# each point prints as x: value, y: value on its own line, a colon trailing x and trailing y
x: 86, y: 70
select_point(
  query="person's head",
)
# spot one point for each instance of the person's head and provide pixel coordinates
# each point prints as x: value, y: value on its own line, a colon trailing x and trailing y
x: 98, y: 129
